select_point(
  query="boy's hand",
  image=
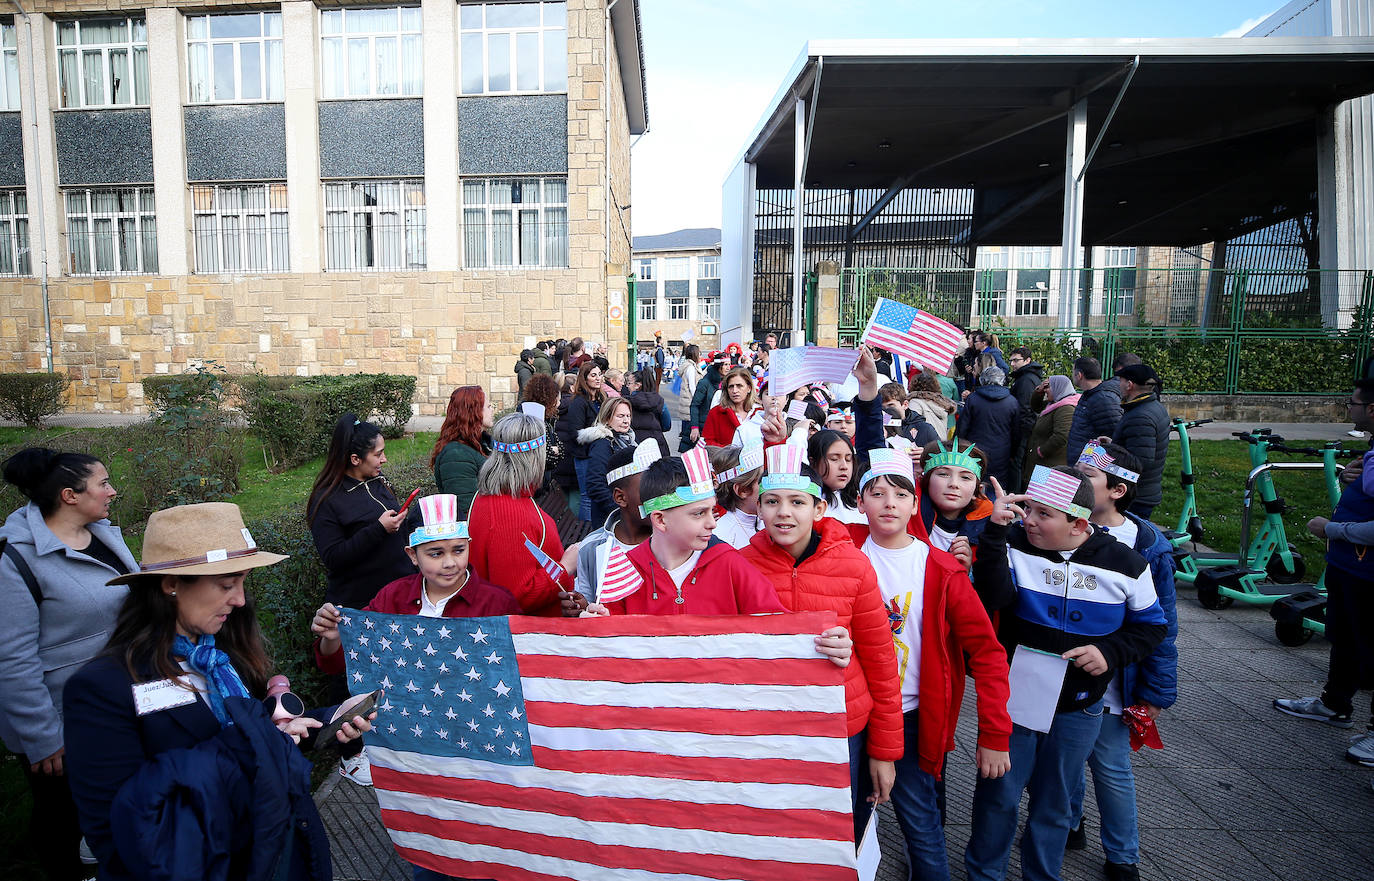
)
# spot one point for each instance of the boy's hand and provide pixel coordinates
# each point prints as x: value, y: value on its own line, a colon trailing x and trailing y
x: 836, y: 645
x: 595, y: 610
x: 883, y: 774
x: 962, y: 551
x: 1087, y: 658
x: 1317, y: 526
x: 572, y: 603
x: 1005, y: 507
x: 866, y: 370
x: 774, y: 429
x: 325, y: 625
x: 993, y: 763
x: 1151, y: 710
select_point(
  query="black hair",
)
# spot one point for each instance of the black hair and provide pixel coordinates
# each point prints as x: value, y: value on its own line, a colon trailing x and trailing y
x: 352, y: 437
x: 816, y: 450
x: 1022, y: 352
x: 1128, y: 460
x: 619, y: 459
x: 1364, y: 386
x: 526, y: 353
x: 662, y: 478
x: 1125, y: 359
x: 1090, y: 368
x: 41, y: 474
x: 897, y: 480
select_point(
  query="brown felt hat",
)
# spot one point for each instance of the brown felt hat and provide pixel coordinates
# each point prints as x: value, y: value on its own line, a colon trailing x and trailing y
x: 204, y: 539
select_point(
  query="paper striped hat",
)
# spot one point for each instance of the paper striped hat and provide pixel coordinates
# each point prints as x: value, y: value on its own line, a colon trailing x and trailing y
x: 701, y: 484
x: 1056, y: 490
x: 1096, y: 455
x: 646, y: 454
x: 440, y: 515
x: 749, y: 438
x: 784, y: 470
x: 893, y: 462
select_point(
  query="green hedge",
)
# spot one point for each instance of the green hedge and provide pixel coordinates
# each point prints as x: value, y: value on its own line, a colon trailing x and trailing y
x: 31, y: 398
x: 294, y: 416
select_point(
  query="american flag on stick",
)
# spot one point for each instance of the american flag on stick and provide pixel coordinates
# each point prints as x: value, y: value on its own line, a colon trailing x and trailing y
x: 790, y: 369
x: 638, y: 747
x: 620, y: 578
x: 549, y: 563
x: 920, y: 336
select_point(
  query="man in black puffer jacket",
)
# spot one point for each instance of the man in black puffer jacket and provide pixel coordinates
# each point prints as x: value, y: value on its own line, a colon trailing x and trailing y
x: 1025, y: 375
x: 1144, y: 430
x: 989, y: 420
x: 1099, y: 406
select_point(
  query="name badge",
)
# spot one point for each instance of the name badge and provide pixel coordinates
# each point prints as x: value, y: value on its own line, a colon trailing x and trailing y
x: 164, y: 694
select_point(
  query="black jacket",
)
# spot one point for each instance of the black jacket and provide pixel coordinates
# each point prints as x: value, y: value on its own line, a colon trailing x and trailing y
x: 989, y: 420
x: 580, y: 414
x: 701, y: 399
x: 523, y: 371
x: 1144, y: 430
x: 360, y: 556
x: 1023, y: 383
x: 1097, y: 413
x: 646, y: 419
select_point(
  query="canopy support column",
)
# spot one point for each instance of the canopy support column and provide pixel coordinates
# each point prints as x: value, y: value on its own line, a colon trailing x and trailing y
x: 1075, y: 154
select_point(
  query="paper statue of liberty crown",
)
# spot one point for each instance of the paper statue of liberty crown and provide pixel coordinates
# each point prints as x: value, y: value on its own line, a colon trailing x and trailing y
x: 646, y: 454
x: 528, y: 446
x: 892, y: 462
x: 1095, y: 455
x: 954, y: 458
x: 701, y: 484
x: 1056, y: 490
x: 749, y: 439
x: 440, y: 515
x: 784, y: 470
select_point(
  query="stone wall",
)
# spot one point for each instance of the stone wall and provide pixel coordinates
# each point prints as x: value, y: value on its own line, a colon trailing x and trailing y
x: 1257, y: 409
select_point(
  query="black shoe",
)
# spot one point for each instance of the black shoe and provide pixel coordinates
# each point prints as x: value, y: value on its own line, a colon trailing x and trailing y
x: 1120, y: 871
x: 1078, y: 837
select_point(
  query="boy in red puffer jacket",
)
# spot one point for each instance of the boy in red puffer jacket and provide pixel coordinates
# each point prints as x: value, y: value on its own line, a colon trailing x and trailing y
x: 813, y: 565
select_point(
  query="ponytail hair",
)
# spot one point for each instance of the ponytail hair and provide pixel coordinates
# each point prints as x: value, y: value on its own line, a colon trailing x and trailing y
x: 41, y: 474
x: 352, y: 437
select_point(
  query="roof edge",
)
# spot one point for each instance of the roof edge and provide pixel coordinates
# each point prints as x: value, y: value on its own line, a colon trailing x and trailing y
x: 628, y: 31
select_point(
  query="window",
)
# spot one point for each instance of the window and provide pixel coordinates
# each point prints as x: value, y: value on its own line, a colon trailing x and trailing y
x: 9, y: 68
x: 1118, y: 278
x: 513, y: 47
x: 370, y: 52
x: 14, y: 233
x: 111, y: 232
x: 708, y: 267
x: 644, y: 268
x: 677, y: 309
x: 235, y: 57
x: 648, y: 309
x: 677, y: 268
x: 374, y: 225
x: 1033, y: 292
x: 103, y: 62
x: 240, y: 228
x: 708, y: 309
x: 515, y: 222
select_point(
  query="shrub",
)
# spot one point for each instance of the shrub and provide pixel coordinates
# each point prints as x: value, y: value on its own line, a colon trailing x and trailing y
x: 294, y: 416
x: 31, y: 398
x: 200, y: 387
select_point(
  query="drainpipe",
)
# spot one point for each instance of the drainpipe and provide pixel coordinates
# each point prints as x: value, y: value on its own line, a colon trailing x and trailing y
x: 38, y: 173
x: 606, y: 118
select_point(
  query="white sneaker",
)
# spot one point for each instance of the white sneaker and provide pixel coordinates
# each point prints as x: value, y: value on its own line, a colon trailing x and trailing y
x: 357, y: 769
x: 87, y: 857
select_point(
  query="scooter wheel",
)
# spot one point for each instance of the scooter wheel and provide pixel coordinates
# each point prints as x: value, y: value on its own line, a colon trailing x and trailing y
x: 1210, y: 598
x: 1292, y: 633
x: 1279, y: 575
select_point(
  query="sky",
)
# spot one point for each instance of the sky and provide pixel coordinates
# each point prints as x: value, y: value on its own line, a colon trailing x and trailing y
x: 713, y: 66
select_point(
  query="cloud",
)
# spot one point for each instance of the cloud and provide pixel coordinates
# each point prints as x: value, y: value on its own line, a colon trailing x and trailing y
x: 1246, y: 26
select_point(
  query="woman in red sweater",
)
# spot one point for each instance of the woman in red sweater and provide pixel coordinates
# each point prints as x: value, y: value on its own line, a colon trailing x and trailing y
x: 504, y: 514
x: 737, y: 404
x: 813, y: 565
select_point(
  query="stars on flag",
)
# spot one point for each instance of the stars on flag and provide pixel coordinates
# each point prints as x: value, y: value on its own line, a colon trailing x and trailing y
x: 464, y: 696
x: 419, y: 630
x: 501, y: 689
x: 450, y: 715
x: 479, y: 636
x: 473, y: 674
x: 438, y: 692
x: 384, y: 644
x: 493, y: 658
x: 488, y: 711
x: 444, y: 632
x: 431, y: 650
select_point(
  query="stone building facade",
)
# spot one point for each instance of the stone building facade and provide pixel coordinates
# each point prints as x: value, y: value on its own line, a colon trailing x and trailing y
x: 421, y: 187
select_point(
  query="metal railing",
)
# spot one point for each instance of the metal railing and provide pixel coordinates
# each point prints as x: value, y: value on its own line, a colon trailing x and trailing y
x: 1207, y: 331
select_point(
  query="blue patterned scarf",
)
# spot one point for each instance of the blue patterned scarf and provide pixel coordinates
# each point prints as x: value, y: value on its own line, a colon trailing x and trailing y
x: 221, y: 679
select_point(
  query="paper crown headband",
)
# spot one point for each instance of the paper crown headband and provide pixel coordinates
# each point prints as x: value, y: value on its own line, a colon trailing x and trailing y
x: 784, y: 470
x: 1056, y: 490
x: 701, y: 484
x: 899, y: 443
x: 749, y: 439
x: 440, y: 515
x: 891, y: 462
x: 528, y: 446
x: 954, y: 458
x: 1095, y: 455
x: 646, y: 454
x: 533, y: 408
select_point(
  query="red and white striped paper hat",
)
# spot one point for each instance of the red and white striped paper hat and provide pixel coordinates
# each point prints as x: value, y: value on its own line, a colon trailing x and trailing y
x: 440, y: 515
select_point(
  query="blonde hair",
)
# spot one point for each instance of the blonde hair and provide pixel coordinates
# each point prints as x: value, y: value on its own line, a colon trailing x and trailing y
x: 613, y: 375
x: 603, y: 417
x: 750, y: 399
x: 514, y: 474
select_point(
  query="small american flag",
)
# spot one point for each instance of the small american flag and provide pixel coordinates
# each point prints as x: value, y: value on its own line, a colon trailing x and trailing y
x: 790, y: 369
x: 620, y: 578
x: 918, y: 335
x: 636, y: 747
x: 1055, y: 489
x: 549, y: 563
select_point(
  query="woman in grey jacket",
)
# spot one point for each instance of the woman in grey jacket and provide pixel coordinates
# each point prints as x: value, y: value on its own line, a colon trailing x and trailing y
x: 61, y: 550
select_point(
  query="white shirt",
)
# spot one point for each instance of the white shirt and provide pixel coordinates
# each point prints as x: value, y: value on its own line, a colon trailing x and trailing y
x: 737, y: 527
x: 679, y: 574
x: 1126, y: 533
x: 902, y: 579
x: 436, y: 610
x: 844, y: 514
x: 941, y: 538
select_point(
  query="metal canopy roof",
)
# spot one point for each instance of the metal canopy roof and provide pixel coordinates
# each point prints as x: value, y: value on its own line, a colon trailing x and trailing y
x: 1213, y: 137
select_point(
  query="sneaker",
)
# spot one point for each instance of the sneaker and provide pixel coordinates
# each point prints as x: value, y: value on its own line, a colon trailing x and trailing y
x: 1312, y: 708
x: 357, y: 769
x: 1361, y: 750
x: 1120, y: 871
x: 1078, y: 837
x: 86, y: 855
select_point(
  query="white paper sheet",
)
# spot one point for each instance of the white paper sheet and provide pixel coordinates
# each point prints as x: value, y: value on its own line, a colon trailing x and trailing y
x: 1036, y: 679
x: 870, y: 854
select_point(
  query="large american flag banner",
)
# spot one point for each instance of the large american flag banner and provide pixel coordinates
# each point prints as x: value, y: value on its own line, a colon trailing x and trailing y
x: 790, y: 369
x: 927, y: 340
x: 639, y: 748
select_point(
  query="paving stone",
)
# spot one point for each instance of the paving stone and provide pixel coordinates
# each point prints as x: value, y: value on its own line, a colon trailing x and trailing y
x: 1239, y: 801
x: 1189, y: 854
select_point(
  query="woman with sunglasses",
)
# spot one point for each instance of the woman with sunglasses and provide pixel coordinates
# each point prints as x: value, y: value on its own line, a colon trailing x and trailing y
x: 166, y: 734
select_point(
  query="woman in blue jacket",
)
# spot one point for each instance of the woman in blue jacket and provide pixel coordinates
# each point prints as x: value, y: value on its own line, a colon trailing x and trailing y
x: 176, y: 767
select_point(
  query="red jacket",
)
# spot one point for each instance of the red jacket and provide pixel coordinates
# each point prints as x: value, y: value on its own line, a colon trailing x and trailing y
x: 722, y: 583
x: 955, y: 624
x: 477, y: 599
x: 499, y: 526
x: 837, y: 577
x: 721, y: 422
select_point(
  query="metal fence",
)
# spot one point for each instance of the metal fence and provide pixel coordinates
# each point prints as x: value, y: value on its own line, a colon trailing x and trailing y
x: 1207, y: 331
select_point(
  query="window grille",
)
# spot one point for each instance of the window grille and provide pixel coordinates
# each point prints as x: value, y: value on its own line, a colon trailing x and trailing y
x: 14, y: 233
x: 240, y: 228
x: 510, y: 222
x: 111, y: 231
x: 374, y: 225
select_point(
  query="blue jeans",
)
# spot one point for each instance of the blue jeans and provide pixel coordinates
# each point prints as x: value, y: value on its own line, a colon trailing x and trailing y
x: 584, y: 502
x: 1114, y: 785
x: 916, y: 797
x: 1049, y: 765
x: 860, y: 784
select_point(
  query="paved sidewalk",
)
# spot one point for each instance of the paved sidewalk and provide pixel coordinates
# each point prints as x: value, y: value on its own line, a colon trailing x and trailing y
x: 1240, y: 792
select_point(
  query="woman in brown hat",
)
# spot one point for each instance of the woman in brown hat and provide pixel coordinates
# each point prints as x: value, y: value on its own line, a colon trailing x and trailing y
x: 165, y: 733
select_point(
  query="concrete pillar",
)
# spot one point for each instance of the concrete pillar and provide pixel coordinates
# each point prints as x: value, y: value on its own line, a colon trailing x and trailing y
x: 46, y: 228
x: 1333, y: 213
x: 303, y: 195
x: 167, y: 85
x: 441, y: 135
x: 828, y: 303
x: 798, y: 220
x: 1075, y: 150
